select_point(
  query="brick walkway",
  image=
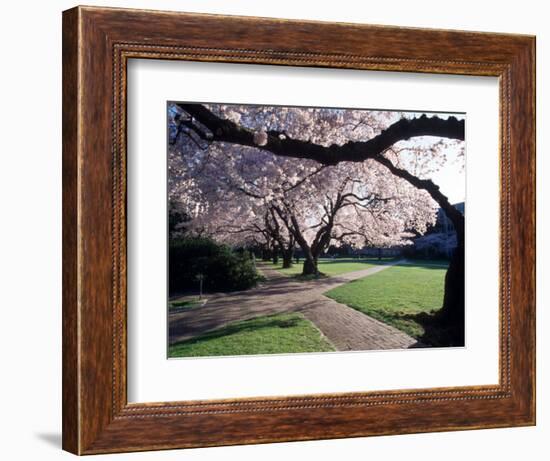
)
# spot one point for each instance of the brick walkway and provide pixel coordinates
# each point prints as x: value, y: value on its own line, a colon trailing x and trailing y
x: 347, y: 328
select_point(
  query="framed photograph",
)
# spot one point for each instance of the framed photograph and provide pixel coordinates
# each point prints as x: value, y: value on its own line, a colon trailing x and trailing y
x: 280, y: 230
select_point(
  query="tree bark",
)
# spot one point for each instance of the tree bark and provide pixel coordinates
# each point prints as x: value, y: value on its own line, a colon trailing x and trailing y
x: 310, y: 254
x: 310, y: 266
x: 310, y: 259
x: 288, y: 254
x: 353, y: 151
x: 452, y: 312
x: 266, y: 254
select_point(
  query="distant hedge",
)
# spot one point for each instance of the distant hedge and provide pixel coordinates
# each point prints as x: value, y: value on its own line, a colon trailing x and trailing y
x: 222, y: 268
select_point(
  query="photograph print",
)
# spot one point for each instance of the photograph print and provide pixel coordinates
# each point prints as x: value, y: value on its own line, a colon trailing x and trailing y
x: 313, y: 229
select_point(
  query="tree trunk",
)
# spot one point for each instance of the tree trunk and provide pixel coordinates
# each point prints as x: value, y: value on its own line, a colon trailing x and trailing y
x: 310, y: 266
x: 275, y: 256
x: 266, y: 254
x: 452, y: 312
x: 287, y: 258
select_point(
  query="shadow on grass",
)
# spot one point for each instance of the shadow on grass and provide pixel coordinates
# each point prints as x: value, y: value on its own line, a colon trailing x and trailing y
x: 254, y: 324
x: 325, y: 262
x: 309, y: 277
x: 358, y: 260
x: 438, y: 332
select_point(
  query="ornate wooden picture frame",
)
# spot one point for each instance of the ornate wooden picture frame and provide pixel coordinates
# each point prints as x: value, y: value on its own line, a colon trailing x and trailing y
x: 97, y: 44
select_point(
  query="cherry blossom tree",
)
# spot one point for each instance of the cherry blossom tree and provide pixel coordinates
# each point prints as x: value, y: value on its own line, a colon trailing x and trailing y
x: 240, y: 192
x: 339, y: 190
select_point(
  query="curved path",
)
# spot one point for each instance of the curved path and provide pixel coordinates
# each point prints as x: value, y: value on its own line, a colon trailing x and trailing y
x: 346, y: 328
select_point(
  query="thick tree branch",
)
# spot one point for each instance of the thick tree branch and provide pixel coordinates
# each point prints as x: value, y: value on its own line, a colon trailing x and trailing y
x: 452, y: 213
x: 278, y: 143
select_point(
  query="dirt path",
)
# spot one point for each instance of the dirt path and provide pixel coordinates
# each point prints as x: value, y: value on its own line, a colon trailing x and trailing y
x: 345, y: 327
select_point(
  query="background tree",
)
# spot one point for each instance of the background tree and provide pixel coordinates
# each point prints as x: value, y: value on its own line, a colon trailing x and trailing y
x: 234, y: 187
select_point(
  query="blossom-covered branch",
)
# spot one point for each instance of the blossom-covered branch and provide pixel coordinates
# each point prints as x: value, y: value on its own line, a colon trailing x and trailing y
x: 279, y: 143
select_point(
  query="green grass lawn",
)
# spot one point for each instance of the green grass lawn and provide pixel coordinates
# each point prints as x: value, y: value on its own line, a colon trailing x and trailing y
x: 396, y: 294
x: 185, y: 303
x: 273, y: 334
x: 334, y: 266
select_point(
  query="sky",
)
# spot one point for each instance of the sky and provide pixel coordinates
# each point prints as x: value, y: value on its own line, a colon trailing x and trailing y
x: 451, y: 179
x: 451, y: 176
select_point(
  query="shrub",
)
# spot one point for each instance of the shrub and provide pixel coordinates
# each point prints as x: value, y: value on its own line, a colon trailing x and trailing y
x: 223, y: 269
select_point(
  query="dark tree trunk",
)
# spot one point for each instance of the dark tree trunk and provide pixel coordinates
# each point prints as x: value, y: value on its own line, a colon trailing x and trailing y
x: 379, y: 254
x: 266, y: 254
x: 275, y: 257
x: 287, y: 258
x: 452, y: 312
x: 224, y: 130
x: 310, y: 266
